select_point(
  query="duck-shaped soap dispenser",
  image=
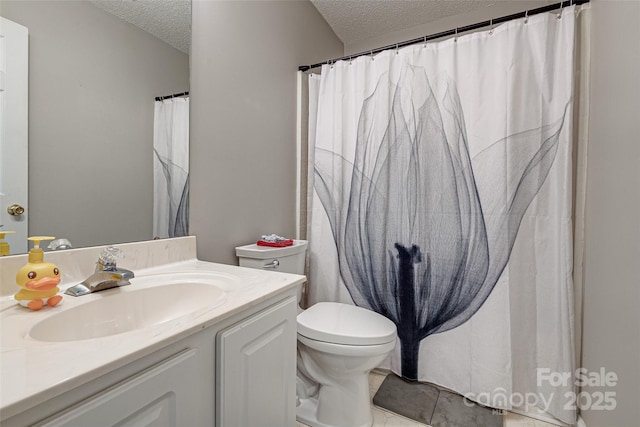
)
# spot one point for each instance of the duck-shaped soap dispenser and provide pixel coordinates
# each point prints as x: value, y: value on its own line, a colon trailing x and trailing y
x: 38, y: 279
x: 4, y: 246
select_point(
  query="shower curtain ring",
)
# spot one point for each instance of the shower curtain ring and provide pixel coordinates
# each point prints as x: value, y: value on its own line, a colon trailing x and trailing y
x: 491, y: 26
x: 425, y: 42
x: 526, y: 16
x: 397, y: 50
x: 560, y: 11
x: 372, y: 55
x: 455, y: 38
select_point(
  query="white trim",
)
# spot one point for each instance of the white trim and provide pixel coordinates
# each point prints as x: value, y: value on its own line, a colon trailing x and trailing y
x: 298, y: 151
x: 581, y: 422
x: 545, y: 417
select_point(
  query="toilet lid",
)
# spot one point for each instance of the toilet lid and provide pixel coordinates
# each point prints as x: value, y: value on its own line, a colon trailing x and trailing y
x: 345, y: 324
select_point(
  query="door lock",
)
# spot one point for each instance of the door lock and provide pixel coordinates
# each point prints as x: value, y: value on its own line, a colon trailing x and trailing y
x: 15, y: 210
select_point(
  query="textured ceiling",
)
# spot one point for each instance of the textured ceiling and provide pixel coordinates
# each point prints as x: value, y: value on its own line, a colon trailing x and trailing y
x: 169, y: 20
x: 356, y: 20
x: 351, y: 20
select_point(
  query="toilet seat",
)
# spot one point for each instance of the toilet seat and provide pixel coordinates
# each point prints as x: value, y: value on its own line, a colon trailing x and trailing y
x: 337, y: 323
x: 346, y: 350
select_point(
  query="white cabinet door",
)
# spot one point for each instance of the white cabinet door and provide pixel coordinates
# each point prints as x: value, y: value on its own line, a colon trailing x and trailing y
x: 256, y: 368
x: 158, y: 396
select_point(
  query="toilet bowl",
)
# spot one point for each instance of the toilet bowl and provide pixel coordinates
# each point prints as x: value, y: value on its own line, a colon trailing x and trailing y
x: 338, y: 345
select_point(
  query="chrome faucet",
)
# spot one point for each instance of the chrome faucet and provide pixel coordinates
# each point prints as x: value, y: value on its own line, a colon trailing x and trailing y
x: 106, y: 275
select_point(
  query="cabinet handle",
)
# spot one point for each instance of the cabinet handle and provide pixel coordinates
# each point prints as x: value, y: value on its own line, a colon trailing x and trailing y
x: 273, y: 264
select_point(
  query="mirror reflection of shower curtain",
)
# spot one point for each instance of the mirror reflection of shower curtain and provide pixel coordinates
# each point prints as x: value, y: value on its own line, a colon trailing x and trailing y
x: 171, y: 168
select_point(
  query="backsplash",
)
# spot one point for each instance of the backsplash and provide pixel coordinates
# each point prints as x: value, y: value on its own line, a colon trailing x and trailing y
x: 77, y: 264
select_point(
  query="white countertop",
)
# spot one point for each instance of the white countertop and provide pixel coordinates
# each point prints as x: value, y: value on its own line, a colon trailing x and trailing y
x: 32, y: 371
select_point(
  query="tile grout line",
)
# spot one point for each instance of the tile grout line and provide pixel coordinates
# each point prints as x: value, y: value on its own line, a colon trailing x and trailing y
x: 435, y: 406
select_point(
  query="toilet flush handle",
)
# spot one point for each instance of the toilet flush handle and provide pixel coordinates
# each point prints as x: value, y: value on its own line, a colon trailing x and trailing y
x: 273, y: 264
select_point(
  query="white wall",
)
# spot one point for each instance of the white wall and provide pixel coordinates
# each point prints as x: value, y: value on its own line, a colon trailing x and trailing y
x: 92, y: 83
x: 245, y: 55
x: 611, y: 336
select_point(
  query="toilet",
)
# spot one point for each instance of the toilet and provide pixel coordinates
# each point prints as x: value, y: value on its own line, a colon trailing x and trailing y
x: 338, y: 344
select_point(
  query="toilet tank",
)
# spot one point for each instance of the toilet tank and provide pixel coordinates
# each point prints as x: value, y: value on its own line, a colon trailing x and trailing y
x: 289, y: 259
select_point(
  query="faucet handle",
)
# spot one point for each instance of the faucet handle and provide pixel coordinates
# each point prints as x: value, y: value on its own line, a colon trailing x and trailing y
x: 108, y: 257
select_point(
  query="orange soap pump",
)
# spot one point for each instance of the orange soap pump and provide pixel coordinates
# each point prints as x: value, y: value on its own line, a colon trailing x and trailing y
x: 38, y: 279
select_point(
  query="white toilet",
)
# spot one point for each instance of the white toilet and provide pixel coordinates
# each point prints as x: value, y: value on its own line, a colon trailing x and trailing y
x: 338, y: 344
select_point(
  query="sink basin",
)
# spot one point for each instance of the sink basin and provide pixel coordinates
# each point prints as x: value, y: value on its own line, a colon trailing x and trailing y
x: 126, y: 309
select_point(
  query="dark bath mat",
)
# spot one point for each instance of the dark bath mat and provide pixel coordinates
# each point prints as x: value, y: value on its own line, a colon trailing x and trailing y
x: 428, y: 404
x: 451, y: 411
x: 413, y: 400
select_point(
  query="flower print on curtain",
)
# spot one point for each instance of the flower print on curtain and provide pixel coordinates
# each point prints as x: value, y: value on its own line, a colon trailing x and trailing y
x: 171, y: 168
x: 442, y: 200
x: 426, y: 230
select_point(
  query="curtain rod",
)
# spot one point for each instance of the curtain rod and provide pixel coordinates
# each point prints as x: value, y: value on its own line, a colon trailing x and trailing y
x: 543, y: 9
x: 175, y: 95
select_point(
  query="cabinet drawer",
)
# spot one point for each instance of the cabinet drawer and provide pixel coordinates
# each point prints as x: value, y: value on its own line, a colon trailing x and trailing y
x: 158, y: 396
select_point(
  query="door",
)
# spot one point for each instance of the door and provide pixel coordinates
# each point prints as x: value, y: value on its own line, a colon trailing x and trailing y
x: 14, y: 129
x: 257, y: 369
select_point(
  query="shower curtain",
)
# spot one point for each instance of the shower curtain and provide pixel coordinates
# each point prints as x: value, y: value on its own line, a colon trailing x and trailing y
x: 441, y: 198
x: 171, y: 168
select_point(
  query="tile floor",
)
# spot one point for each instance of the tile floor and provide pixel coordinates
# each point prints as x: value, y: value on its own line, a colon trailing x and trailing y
x: 382, y: 418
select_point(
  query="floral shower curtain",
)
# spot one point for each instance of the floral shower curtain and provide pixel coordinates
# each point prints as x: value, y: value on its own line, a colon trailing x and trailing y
x: 171, y: 168
x: 442, y: 200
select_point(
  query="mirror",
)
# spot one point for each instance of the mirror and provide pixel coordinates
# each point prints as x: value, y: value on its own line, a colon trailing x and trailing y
x: 93, y: 80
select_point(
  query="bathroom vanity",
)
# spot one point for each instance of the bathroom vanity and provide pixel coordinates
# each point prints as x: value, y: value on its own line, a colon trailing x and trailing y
x: 188, y: 343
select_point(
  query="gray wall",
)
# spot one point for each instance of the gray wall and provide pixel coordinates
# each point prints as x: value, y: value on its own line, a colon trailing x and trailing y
x: 244, y: 61
x: 92, y: 83
x: 611, y: 337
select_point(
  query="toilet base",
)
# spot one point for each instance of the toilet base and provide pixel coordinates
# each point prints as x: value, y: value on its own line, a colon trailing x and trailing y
x: 307, y: 413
